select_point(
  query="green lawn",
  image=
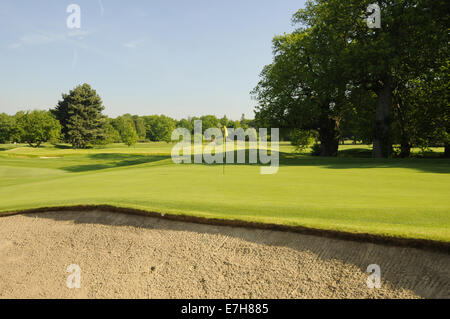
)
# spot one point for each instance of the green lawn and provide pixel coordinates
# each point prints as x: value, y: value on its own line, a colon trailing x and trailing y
x: 396, y: 197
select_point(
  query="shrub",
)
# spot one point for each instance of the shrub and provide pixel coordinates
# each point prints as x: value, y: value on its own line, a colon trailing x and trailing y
x: 301, y: 139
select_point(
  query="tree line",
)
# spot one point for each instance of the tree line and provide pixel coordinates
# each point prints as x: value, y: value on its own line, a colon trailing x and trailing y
x: 78, y: 119
x: 333, y: 77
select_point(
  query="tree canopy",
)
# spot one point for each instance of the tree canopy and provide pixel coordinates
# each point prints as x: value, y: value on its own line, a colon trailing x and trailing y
x: 80, y: 115
x: 7, y: 125
x: 36, y: 127
x: 334, y: 74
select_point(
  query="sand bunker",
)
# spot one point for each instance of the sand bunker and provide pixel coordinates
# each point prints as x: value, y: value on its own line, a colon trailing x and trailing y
x: 126, y: 256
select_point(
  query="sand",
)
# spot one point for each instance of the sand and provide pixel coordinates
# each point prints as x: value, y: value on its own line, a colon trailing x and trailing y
x: 127, y: 256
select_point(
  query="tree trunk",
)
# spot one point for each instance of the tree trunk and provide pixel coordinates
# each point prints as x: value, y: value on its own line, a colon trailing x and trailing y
x: 329, y: 137
x: 405, y: 149
x: 447, y: 150
x: 405, y: 144
x: 382, y: 145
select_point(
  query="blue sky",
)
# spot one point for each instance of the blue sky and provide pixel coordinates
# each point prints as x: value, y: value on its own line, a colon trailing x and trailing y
x: 177, y: 58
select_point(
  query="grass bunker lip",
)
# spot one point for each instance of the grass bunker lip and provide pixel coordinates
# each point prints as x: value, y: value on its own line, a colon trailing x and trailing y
x: 358, y: 237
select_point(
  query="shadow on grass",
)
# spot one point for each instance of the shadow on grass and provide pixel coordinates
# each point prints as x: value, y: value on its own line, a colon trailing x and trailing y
x: 62, y: 146
x: 115, y: 160
x: 354, y: 158
x: 348, y: 159
x: 356, y: 152
x: 429, y: 165
x: 7, y: 147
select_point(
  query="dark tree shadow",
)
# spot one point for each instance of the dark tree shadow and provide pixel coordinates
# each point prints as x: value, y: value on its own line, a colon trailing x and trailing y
x: 350, y: 159
x: 62, y: 146
x: 356, y: 152
x: 428, y: 165
x: 115, y: 160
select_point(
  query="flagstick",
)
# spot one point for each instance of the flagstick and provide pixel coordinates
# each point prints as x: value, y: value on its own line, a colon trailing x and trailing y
x: 223, y: 152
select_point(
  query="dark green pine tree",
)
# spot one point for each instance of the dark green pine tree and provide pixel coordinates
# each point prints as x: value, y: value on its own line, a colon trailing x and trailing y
x: 80, y: 115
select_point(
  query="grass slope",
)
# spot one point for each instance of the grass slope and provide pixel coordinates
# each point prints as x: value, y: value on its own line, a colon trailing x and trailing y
x: 397, y: 197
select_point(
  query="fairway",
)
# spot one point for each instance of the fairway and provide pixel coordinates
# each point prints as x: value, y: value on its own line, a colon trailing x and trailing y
x: 406, y: 198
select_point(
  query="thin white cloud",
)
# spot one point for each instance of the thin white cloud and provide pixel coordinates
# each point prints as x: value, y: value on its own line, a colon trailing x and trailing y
x: 15, y: 45
x: 72, y: 38
x: 131, y: 44
x: 31, y: 39
x: 46, y: 38
x: 102, y: 9
x: 80, y: 34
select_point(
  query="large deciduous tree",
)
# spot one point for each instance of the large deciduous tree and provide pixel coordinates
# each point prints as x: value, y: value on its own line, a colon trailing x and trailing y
x: 422, y: 110
x: 36, y: 127
x: 125, y: 125
x: 159, y: 127
x: 7, y: 125
x: 411, y: 35
x: 303, y: 88
x: 80, y: 115
x: 334, y: 54
x: 140, y: 127
x: 128, y: 134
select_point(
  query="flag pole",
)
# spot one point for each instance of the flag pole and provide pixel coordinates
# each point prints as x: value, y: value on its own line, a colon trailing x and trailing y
x: 225, y: 133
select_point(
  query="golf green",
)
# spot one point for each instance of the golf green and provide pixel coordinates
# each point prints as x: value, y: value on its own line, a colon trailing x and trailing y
x: 406, y: 198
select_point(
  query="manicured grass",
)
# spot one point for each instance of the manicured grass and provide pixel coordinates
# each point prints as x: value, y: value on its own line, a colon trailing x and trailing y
x: 397, y: 197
